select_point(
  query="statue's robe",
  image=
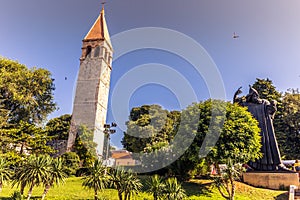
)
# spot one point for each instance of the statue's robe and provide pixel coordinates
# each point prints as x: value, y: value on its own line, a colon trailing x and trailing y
x: 263, y: 113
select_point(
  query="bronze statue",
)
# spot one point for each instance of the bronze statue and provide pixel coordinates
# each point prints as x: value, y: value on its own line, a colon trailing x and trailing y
x: 263, y: 111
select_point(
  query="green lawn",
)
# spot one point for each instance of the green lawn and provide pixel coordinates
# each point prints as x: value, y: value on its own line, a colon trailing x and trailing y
x: 196, y: 190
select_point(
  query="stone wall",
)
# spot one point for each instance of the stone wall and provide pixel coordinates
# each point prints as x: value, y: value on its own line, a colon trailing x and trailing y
x: 271, y: 180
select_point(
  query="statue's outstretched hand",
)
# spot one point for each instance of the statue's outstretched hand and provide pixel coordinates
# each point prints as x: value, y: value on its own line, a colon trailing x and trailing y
x: 235, y: 97
x: 239, y: 91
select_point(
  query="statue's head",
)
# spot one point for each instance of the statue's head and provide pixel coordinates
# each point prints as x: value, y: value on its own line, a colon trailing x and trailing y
x: 253, y: 95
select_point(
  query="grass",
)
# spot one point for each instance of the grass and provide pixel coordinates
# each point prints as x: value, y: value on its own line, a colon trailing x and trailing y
x: 196, y: 189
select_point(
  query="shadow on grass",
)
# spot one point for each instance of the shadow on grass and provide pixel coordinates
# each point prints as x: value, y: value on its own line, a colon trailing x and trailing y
x: 197, y: 189
x: 283, y: 196
x: 33, y: 197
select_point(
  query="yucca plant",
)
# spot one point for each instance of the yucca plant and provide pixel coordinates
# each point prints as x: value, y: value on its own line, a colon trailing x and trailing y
x: 55, y: 176
x: 156, y: 186
x: 173, y: 190
x: 32, y: 172
x: 5, y: 172
x: 96, y: 178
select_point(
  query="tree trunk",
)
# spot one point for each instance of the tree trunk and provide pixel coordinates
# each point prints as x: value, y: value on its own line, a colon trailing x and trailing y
x: 46, y: 191
x: 232, y: 188
x: 120, y: 195
x: 30, y: 192
x: 218, y: 168
x: 22, y: 188
x: 129, y: 196
x: 22, y: 148
x: 95, y: 195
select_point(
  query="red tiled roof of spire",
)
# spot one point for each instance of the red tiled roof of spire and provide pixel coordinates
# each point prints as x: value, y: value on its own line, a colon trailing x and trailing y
x: 99, y: 30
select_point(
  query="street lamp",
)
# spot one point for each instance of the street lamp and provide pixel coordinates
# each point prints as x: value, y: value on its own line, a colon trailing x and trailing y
x: 107, y: 132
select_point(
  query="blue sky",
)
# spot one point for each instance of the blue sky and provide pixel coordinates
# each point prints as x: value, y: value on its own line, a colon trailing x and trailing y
x: 48, y: 34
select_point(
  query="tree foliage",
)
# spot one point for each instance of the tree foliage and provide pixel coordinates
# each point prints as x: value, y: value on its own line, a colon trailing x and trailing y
x: 84, y: 146
x: 150, y: 127
x: 59, y: 127
x: 26, y: 94
x: 289, y: 130
x: 26, y: 99
x: 236, y: 133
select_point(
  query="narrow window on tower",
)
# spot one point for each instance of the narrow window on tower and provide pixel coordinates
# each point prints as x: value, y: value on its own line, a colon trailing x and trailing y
x: 97, y: 52
x: 109, y: 59
x: 88, y: 51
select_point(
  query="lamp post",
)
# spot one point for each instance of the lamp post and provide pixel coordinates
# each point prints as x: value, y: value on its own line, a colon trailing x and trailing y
x: 107, y: 132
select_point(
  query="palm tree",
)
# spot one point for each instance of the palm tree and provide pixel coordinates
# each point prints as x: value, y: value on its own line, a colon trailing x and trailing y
x: 33, y: 173
x: 131, y: 184
x: 156, y: 186
x: 97, y: 178
x: 173, y: 190
x: 5, y: 172
x: 56, y: 174
x: 116, y: 178
x: 125, y: 182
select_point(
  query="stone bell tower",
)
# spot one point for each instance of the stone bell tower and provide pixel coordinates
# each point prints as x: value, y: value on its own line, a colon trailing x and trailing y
x: 91, y: 98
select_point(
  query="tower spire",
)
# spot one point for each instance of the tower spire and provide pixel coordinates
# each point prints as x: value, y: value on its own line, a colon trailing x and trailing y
x: 102, y: 9
x: 99, y: 30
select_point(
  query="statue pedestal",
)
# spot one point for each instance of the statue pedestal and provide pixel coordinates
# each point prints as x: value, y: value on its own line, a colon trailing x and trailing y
x: 271, y: 180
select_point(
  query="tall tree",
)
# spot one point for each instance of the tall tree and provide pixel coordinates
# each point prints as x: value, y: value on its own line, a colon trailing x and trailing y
x: 267, y: 90
x: 290, y: 125
x: 26, y: 99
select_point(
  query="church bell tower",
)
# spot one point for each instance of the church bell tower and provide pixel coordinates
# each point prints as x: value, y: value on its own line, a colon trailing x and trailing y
x: 92, y: 89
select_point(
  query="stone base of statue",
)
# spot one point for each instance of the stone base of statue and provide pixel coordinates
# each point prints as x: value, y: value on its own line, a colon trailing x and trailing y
x: 271, y: 180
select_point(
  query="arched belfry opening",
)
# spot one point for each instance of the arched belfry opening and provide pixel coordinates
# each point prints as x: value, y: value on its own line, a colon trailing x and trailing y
x: 88, y: 51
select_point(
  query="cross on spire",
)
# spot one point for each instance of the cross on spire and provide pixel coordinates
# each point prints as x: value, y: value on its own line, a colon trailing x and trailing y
x: 104, y: 2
